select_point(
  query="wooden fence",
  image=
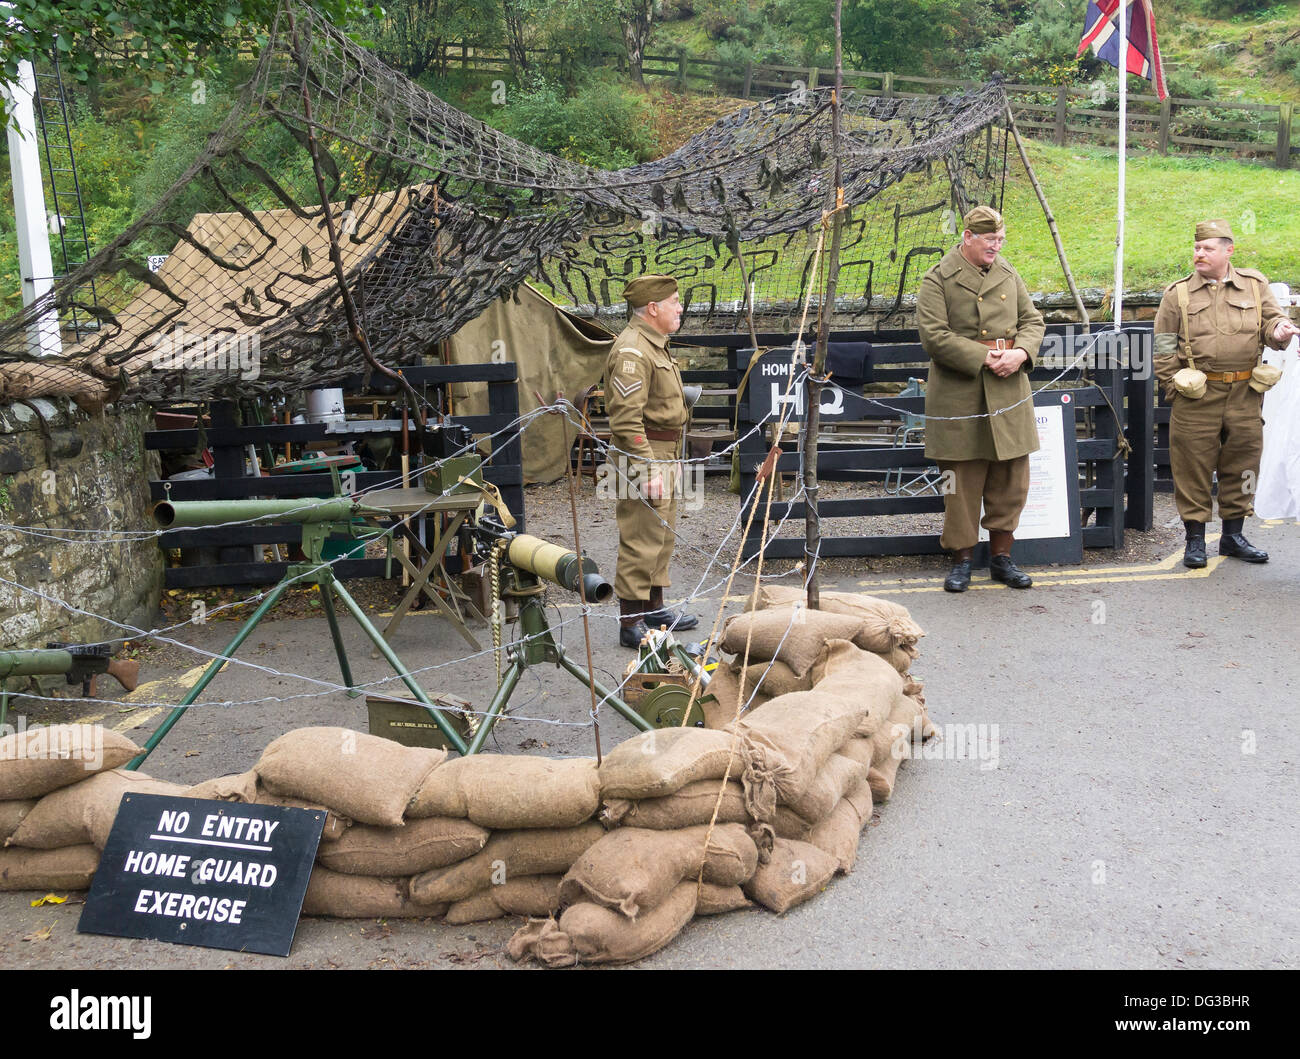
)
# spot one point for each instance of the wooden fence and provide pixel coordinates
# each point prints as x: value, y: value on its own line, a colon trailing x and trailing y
x: 1061, y: 114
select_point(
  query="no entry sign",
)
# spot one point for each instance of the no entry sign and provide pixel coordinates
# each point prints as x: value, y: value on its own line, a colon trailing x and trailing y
x: 218, y: 874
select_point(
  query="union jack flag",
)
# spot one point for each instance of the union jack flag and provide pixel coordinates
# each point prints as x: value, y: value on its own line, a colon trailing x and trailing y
x: 1101, y: 34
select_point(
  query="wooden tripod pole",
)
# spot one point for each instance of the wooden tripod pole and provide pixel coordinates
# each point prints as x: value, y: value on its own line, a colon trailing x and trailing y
x: 812, y: 418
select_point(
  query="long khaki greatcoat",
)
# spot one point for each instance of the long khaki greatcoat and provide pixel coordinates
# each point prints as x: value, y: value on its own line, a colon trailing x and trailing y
x: 958, y: 306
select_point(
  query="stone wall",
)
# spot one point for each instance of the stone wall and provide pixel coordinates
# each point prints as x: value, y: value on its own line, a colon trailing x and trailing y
x: 63, y: 469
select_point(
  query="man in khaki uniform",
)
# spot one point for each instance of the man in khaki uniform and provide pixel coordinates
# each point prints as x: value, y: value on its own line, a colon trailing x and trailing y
x: 647, y: 411
x: 1210, y: 330
x: 982, y: 332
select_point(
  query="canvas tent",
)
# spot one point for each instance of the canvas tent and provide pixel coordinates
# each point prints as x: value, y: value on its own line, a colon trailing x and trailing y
x: 556, y: 352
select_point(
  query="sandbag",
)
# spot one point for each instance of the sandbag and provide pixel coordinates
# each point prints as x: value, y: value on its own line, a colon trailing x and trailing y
x: 798, y: 638
x: 840, y: 832
x: 506, y: 855
x: 543, y: 940
x: 35, y: 761
x: 237, y: 787
x: 846, y: 668
x: 332, y: 893
x: 693, y: 804
x: 64, y: 817
x: 859, y: 749
x: 243, y: 787
x: 524, y: 895
x: 719, y: 700
x: 416, y: 847
x: 789, y: 824
x: 370, y: 779
x: 601, y: 935
x: 69, y: 868
x: 772, y: 678
x: 633, y: 869
x: 507, y: 791
x: 882, y: 778
x: 336, y: 824
x: 12, y: 814
x: 713, y: 899
x: 719, y: 703
x: 901, y: 658
x: 101, y: 813
x: 885, y: 625
x: 799, y: 733
x: 795, y: 872
x: 660, y: 762
x: 839, y: 775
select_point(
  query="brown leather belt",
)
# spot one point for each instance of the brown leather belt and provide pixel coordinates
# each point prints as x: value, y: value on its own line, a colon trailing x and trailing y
x: 1228, y: 376
x: 996, y: 343
x: 663, y: 435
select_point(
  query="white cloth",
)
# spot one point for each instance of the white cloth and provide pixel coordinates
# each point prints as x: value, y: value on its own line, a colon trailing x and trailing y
x: 1278, y: 492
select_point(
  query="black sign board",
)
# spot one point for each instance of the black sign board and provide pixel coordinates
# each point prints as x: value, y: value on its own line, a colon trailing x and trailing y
x: 219, y: 874
x: 770, y: 395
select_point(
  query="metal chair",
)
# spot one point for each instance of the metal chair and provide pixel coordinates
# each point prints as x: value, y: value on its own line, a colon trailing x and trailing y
x: 911, y: 435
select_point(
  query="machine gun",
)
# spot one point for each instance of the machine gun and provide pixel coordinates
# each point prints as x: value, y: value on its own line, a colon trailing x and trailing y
x: 320, y: 520
x: 80, y: 663
x: 518, y: 565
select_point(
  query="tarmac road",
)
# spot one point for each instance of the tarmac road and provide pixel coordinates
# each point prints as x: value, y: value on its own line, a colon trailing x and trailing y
x: 1132, y: 804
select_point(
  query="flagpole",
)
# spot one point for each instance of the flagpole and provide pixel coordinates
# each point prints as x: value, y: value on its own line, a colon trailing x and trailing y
x: 1118, y: 299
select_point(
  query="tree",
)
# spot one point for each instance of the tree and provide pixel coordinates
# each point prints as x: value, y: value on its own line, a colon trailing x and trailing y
x: 886, y: 35
x: 412, y: 35
x: 158, y: 33
x: 636, y: 20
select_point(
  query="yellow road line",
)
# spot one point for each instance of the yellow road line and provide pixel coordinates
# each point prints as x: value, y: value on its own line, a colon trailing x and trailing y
x: 136, y: 720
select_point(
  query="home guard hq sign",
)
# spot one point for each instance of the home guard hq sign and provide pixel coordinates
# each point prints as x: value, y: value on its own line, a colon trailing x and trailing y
x: 771, y: 396
x: 219, y: 874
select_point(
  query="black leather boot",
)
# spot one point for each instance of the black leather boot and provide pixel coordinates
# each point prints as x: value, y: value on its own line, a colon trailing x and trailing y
x: 1233, y: 542
x: 632, y: 628
x: 1194, y: 551
x: 661, y: 615
x: 1001, y: 568
x: 958, y: 579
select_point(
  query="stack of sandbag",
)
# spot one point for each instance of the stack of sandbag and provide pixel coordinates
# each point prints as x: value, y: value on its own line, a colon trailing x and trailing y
x: 634, y: 889
x: 885, y: 736
x: 410, y: 834
x: 883, y: 627
x: 60, y: 788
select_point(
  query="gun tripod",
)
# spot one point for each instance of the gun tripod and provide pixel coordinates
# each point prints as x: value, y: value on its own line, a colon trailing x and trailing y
x: 663, y: 698
x: 536, y: 644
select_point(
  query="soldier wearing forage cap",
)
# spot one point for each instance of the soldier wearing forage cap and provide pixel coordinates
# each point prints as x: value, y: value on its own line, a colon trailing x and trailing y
x: 982, y: 333
x: 1210, y: 331
x: 647, y: 411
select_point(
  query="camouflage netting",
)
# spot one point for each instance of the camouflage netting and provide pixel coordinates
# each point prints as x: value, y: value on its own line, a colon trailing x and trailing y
x: 438, y: 214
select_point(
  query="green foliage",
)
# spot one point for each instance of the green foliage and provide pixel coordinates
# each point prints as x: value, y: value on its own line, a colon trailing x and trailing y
x: 1285, y: 58
x: 602, y: 124
x: 1040, y: 46
x: 1229, y: 8
x: 158, y: 34
x: 915, y: 37
x: 749, y: 32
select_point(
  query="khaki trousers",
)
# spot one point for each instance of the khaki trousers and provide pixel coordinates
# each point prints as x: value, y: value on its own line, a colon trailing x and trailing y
x: 645, y: 543
x: 1003, y: 486
x: 1222, y: 431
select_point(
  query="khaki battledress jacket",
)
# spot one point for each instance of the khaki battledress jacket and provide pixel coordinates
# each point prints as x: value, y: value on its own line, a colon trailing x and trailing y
x: 958, y: 307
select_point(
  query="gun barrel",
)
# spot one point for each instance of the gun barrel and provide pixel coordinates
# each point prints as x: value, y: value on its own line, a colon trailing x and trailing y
x: 34, y: 663
x: 560, y: 565
x: 186, y: 514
